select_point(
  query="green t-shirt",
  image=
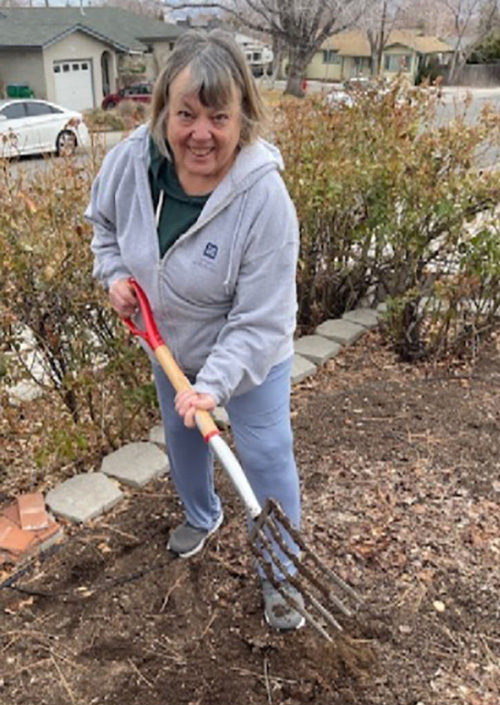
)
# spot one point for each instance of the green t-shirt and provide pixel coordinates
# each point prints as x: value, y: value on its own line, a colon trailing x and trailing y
x: 179, y: 211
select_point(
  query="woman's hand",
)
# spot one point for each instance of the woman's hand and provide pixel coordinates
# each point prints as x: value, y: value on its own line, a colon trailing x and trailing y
x: 122, y: 298
x: 187, y: 403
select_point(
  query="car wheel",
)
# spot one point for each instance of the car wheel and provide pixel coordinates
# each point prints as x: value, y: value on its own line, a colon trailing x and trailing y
x: 65, y: 143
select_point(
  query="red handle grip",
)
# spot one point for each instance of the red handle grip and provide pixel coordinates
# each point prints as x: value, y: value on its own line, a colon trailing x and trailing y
x: 151, y: 335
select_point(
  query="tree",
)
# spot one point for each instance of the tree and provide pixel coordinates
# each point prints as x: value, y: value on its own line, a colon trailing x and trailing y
x: 300, y: 25
x: 471, y: 18
x: 488, y: 52
x: 428, y: 17
x: 378, y: 22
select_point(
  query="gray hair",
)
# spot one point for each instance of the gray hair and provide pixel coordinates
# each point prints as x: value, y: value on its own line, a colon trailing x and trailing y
x: 217, y: 66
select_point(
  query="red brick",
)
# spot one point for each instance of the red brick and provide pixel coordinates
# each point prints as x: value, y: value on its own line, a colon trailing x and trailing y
x: 12, y: 514
x: 43, y: 535
x: 13, y: 539
x: 32, y: 511
x: 18, y: 545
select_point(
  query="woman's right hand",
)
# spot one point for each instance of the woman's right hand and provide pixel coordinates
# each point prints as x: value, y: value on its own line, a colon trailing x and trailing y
x: 122, y: 298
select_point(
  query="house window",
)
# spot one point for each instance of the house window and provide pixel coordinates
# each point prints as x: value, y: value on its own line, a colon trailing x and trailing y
x: 85, y: 67
x: 331, y: 57
x: 76, y: 67
x: 397, y: 62
x: 65, y: 68
x: 57, y: 68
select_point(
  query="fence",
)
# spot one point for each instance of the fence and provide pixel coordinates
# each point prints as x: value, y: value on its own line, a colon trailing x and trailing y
x: 478, y: 75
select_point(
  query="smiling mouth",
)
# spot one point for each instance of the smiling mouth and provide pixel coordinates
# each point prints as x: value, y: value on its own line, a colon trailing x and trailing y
x: 200, y: 153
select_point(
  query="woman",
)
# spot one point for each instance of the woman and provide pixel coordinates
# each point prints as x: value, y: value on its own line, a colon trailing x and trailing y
x: 194, y: 208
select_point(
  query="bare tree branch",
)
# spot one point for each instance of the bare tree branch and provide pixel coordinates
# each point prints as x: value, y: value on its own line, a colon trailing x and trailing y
x: 301, y: 26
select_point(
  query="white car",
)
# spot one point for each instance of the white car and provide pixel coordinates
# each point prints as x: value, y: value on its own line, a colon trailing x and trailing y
x: 339, y: 99
x: 30, y: 126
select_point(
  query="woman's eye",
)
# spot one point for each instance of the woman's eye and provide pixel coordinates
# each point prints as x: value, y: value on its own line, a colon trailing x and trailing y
x: 221, y: 118
x: 184, y: 114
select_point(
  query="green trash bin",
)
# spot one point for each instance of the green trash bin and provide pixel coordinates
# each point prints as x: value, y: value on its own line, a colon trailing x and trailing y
x: 19, y: 90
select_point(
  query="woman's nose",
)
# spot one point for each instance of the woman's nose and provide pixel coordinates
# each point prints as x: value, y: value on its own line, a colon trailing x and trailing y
x: 201, y: 129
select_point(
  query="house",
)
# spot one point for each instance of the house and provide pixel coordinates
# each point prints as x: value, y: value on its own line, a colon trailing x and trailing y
x: 348, y: 55
x: 76, y: 56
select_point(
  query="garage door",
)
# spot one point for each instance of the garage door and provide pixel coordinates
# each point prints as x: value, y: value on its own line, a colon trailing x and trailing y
x: 73, y: 83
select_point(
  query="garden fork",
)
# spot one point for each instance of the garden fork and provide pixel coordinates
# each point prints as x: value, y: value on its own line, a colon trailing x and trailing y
x: 269, y: 524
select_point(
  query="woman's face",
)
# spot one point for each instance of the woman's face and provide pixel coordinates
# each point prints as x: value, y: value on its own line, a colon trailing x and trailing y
x: 203, y: 140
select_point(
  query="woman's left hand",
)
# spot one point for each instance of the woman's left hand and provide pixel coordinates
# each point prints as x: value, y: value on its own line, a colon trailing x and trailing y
x: 187, y: 403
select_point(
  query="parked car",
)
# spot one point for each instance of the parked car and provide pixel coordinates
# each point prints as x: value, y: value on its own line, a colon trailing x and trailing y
x: 139, y: 93
x: 339, y: 99
x: 29, y: 126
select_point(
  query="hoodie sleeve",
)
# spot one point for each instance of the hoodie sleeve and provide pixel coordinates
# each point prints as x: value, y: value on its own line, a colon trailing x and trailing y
x: 101, y: 212
x: 262, y: 318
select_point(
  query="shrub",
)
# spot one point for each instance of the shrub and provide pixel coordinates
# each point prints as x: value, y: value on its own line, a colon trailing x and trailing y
x: 101, y: 120
x: 133, y: 113
x: 97, y: 386
x: 388, y: 201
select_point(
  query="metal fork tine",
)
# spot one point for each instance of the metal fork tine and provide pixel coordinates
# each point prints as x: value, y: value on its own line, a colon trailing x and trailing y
x: 289, y: 600
x: 298, y: 579
x: 271, y: 523
x: 272, y: 506
x: 267, y: 533
x: 325, y: 613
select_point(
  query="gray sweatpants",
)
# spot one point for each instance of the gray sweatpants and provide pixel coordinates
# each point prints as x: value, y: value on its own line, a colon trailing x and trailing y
x: 260, y: 423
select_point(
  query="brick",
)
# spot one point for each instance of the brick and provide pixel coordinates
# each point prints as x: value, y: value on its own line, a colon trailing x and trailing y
x: 31, y: 542
x: 11, y: 512
x: 45, y: 538
x: 13, y: 539
x: 32, y: 511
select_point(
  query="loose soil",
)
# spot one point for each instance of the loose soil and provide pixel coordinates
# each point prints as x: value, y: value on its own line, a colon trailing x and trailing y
x: 401, y: 492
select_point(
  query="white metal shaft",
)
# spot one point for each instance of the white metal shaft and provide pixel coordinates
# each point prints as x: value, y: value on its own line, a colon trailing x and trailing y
x: 236, y: 474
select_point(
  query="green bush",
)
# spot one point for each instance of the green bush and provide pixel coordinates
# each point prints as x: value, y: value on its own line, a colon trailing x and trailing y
x: 388, y: 203
x: 97, y: 385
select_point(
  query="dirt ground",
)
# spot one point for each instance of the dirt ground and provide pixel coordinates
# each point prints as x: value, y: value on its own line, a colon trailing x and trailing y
x: 400, y: 471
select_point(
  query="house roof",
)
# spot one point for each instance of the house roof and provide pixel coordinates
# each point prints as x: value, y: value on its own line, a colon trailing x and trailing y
x: 39, y: 27
x: 355, y: 43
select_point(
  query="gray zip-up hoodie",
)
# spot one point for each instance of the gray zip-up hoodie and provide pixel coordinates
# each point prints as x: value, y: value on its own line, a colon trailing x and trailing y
x: 224, y: 294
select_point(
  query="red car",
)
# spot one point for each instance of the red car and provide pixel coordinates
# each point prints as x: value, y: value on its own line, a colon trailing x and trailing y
x: 139, y: 93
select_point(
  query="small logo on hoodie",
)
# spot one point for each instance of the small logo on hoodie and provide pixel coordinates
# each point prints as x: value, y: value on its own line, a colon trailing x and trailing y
x: 210, y: 250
